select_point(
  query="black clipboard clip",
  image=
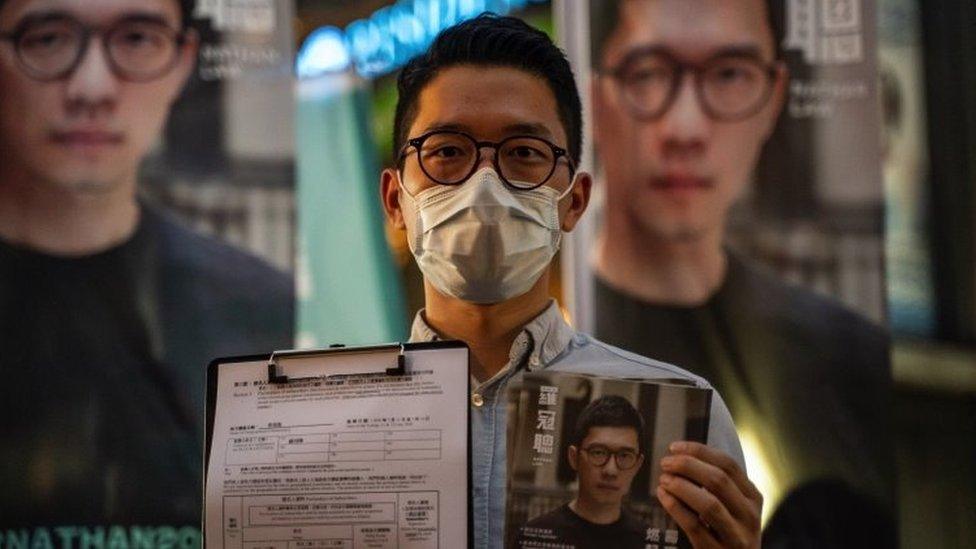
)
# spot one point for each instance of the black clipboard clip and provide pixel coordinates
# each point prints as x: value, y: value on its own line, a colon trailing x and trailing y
x: 383, y: 359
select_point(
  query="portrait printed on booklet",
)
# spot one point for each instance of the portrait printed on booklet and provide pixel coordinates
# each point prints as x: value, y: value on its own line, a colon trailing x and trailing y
x: 584, y: 458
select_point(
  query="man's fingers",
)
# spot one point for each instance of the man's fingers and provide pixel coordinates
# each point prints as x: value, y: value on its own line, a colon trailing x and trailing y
x: 716, y: 481
x: 706, y: 506
x: 721, y: 460
x: 699, y: 534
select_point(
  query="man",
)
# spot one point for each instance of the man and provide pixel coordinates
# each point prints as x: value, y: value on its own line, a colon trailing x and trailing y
x: 606, y: 452
x: 487, y: 135
x: 686, y: 94
x: 109, y: 311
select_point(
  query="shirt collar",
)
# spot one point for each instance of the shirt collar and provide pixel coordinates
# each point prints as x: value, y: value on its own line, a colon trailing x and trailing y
x: 541, y: 340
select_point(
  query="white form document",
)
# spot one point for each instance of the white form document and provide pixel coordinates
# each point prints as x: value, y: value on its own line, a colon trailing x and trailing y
x: 372, y: 461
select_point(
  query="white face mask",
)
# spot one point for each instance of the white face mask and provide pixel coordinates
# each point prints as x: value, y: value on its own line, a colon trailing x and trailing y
x: 479, y: 241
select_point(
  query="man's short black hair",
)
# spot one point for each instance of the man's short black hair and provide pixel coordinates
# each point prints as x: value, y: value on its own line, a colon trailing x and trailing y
x: 186, y: 10
x: 490, y: 40
x: 605, y: 15
x: 608, y: 411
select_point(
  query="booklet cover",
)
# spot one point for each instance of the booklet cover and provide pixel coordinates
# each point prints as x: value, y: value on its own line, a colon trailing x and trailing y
x: 584, y: 458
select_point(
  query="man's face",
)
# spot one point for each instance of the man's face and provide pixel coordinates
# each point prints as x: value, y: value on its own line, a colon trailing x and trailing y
x: 489, y: 104
x: 89, y: 130
x: 605, y: 484
x: 676, y: 176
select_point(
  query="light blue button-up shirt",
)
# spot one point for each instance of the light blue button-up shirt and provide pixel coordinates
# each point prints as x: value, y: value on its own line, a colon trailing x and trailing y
x: 548, y: 342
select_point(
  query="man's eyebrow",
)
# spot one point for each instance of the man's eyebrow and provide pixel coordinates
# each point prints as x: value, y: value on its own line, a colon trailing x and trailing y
x: 446, y: 126
x: 145, y: 17
x: 738, y: 50
x: 43, y: 16
x: 747, y: 49
x: 528, y: 128
x: 519, y: 128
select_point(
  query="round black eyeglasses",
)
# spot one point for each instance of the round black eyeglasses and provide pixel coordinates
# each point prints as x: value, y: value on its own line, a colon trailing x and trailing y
x: 138, y: 49
x: 523, y: 162
x: 600, y: 456
x: 729, y: 87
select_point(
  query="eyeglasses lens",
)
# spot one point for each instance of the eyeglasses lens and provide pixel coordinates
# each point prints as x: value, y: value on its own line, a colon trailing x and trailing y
x: 730, y: 87
x: 138, y: 50
x: 50, y: 47
x: 525, y: 162
x: 448, y: 157
x: 142, y: 49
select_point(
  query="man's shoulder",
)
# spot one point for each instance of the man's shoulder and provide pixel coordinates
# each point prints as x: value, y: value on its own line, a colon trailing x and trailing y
x: 588, y: 355
x: 219, y: 300
x: 556, y: 518
x: 552, y: 527
x: 563, y: 526
x: 798, y: 311
x: 221, y: 267
x: 629, y: 521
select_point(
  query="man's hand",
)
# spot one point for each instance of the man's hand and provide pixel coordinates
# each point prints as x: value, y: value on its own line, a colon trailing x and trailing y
x: 710, y: 497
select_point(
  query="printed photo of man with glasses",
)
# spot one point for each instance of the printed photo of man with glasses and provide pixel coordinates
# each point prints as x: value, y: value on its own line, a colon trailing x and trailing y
x: 110, y: 310
x: 686, y: 95
x: 606, y: 452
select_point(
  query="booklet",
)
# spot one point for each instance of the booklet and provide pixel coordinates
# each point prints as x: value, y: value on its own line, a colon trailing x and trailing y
x: 584, y: 458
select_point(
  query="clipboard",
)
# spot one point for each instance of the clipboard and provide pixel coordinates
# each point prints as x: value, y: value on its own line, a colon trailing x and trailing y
x: 330, y: 468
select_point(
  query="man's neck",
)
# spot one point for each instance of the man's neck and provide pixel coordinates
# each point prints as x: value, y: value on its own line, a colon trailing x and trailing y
x: 594, y: 512
x: 680, y: 271
x: 488, y: 330
x: 66, y: 222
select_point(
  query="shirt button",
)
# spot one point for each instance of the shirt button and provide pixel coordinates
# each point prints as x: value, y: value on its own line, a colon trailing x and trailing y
x: 477, y: 400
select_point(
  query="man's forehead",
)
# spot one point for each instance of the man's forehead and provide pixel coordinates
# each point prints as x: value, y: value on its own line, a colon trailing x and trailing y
x: 692, y: 30
x: 499, y: 101
x: 89, y: 10
x: 613, y: 437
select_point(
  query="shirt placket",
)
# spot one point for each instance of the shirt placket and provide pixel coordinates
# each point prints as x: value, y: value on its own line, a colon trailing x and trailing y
x: 488, y: 424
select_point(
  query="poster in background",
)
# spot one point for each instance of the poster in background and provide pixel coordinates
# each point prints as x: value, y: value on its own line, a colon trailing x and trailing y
x: 102, y: 429
x: 801, y: 302
x: 814, y: 209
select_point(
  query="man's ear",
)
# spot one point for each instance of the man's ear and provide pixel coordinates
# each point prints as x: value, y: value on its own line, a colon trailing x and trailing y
x: 778, y: 99
x: 578, y: 199
x: 572, y: 454
x: 188, y: 58
x: 640, y: 461
x: 390, y: 197
x: 597, y: 106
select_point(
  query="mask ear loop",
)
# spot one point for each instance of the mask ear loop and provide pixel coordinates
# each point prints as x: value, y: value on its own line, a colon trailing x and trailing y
x: 404, y: 187
x: 569, y: 189
x: 558, y: 238
x: 416, y: 210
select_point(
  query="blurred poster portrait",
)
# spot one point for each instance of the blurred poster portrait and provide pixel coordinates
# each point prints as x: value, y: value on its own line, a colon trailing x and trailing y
x: 145, y: 229
x: 740, y: 232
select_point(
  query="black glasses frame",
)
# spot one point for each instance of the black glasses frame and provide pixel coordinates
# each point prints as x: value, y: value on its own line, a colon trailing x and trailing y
x: 616, y: 457
x: 557, y: 151
x: 619, y: 73
x: 86, y: 32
